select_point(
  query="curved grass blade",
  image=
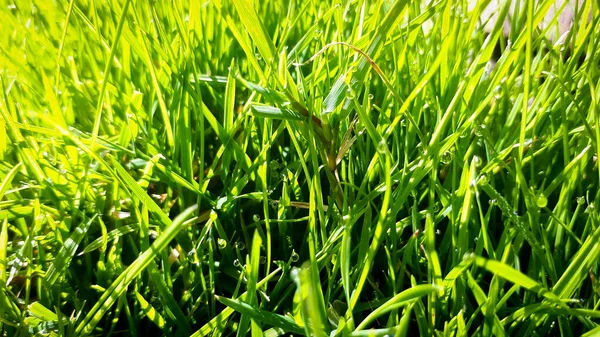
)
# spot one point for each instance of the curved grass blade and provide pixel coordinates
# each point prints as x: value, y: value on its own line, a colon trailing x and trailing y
x: 510, y: 274
x: 400, y: 300
x: 338, y: 91
x: 115, y: 233
x: 279, y: 321
x: 119, y: 286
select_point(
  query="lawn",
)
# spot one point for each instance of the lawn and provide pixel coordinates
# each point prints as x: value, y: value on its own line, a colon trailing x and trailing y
x: 319, y: 168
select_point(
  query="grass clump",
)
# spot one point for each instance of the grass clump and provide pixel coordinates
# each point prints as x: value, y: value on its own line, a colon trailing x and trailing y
x: 346, y: 168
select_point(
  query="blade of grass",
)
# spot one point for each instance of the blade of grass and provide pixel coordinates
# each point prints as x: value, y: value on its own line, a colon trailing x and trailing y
x: 66, y: 253
x: 88, y: 323
x: 283, y: 322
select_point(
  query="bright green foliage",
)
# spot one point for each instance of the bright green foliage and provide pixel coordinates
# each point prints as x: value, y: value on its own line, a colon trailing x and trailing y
x: 327, y: 168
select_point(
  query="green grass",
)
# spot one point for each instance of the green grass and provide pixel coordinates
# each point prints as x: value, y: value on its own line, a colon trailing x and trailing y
x: 327, y: 168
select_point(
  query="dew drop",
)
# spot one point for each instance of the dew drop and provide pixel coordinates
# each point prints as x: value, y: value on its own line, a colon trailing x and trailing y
x: 295, y: 257
x: 542, y: 201
x: 381, y: 146
x: 479, y: 130
x: 236, y: 263
x: 477, y: 160
x: 581, y: 200
x: 262, y: 260
x: 222, y: 243
x: 371, y: 96
x: 256, y: 218
x: 498, y: 92
x: 446, y: 157
x: 484, y: 179
x: 240, y: 245
x: 350, y: 93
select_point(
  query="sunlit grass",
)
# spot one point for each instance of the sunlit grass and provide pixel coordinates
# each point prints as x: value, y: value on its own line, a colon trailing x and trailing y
x: 334, y: 168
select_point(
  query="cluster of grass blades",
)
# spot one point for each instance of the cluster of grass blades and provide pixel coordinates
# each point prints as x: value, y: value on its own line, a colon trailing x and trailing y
x: 326, y: 168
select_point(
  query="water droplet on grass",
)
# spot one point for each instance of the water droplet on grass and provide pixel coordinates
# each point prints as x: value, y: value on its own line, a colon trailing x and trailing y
x: 541, y: 201
x: 295, y: 257
x: 446, y: 157
x: 381, y: 146
x: 350, y: 93
x: 479, y: 130
x: 318, y: 33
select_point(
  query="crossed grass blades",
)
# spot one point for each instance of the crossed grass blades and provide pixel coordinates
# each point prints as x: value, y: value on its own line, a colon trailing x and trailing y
x: 329, y: 168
